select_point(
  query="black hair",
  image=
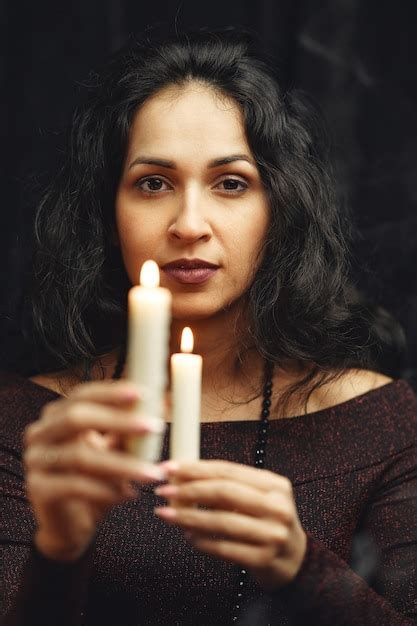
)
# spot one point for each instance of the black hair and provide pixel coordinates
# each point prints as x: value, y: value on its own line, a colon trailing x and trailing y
x: 303, y: 306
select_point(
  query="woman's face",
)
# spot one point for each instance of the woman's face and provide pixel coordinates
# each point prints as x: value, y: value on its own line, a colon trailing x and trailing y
x: 190, y: 190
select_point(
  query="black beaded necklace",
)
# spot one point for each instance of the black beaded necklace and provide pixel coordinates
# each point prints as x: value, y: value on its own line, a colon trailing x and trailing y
x: 260, y: 452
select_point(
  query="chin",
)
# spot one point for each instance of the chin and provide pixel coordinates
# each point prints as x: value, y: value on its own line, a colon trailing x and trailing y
x: 191, y: 315
x: 198, y: 313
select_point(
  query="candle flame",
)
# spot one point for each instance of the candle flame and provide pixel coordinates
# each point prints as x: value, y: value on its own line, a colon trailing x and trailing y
x: 149, y: 274
x: 187, y: 340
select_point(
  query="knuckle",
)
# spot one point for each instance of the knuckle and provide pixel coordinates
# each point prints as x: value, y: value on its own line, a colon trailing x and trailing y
x: 74, y: 415
x: 276, y: 510
x: 281, y: 509
x: 28, y: 434
x: 286, y: 485
x: 28, y: 457
x: 218, y: 492
x: 79, y: 388
x: 259, y: 559
x: 267, y: 554
x: 49, y: 410
x: 286, y: 515
x: 34, y: 483
x: 46, y: 410
x: 270, y: 474
x: 284, y: 535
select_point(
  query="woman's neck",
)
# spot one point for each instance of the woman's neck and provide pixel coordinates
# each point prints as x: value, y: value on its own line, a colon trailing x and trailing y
x: 226, y: 360
x: 227, y: 363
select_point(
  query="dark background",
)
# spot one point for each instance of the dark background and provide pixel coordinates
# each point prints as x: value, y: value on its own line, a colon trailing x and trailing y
x: 356, y: 57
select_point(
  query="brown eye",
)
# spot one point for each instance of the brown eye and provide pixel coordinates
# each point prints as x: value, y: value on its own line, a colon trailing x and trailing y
x: 233, y: 184
x: 152, y: 185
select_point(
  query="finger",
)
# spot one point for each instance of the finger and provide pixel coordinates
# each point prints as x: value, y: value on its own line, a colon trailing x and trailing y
x: 105, y: 441
x: 113, y: 393
x: 83, y: 459
x: 83, y: 416
x: 232, y: 496
x: 240, y: 553
x: 226, y: 524
x: 258, y: 478
x: 50, y: 488
x: 108, y: 392
x: 98, y: 440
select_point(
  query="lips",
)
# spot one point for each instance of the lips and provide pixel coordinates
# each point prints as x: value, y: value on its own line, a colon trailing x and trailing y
x: 189, y: 264
x: 190, y: 271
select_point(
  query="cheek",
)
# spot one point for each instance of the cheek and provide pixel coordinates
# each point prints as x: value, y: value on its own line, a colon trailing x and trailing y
x: 244, y: 254
x: 129, y: 241
x: 139, y: 238
x: 250, y: 238
x: 129, y: 228
x: 128, y: 232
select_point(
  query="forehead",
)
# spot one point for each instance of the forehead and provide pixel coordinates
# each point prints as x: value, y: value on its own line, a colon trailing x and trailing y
x: 194, y: 115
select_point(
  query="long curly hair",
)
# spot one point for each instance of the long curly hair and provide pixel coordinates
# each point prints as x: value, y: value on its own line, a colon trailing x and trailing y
x: 302, y: 306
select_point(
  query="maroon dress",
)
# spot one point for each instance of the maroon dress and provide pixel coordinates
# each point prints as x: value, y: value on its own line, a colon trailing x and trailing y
x: 354, y: 472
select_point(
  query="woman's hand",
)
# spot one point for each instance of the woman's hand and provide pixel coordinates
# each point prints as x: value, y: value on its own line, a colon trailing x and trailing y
x: 76, y: 469
x: 252, y: 518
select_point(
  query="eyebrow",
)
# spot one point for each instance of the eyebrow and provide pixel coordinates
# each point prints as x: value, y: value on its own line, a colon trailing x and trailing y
x: 172, y: 166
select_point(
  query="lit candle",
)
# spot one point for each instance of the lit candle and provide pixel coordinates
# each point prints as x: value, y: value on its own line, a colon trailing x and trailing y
x: 186, y: 369
x: 147, y: 354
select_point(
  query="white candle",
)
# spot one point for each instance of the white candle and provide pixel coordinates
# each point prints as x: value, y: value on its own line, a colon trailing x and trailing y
x: 186, y: 369
x: 147, y: 354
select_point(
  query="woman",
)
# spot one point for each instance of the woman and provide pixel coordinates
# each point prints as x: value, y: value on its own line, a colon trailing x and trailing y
x: 186, y: 152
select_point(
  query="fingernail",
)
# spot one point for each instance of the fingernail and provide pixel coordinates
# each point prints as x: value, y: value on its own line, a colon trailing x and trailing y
x: 170, y: 466
x: 166, y: 490
x: 130, y: 393
x: 166, y: 512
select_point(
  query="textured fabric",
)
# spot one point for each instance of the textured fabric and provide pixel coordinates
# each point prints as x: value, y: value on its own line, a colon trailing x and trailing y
x: 354, y: 472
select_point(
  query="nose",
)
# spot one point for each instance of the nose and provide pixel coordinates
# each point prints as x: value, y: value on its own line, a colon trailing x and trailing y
x: 189, y: 223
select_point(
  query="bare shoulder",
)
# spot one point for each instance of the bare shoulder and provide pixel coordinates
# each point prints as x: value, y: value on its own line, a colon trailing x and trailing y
x: 63, y: 381
x: 351, y: 384
x: 59, y: 382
